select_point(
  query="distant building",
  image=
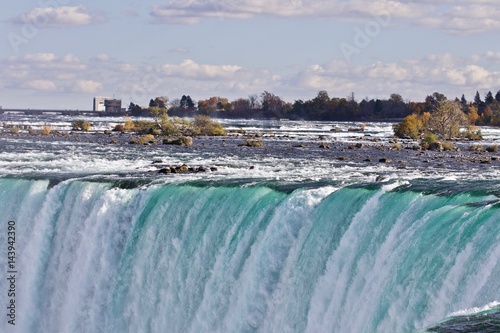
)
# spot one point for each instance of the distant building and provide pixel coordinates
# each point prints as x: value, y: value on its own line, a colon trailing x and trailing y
x: 112, y: 105
x: 99, y: 103
x: 105, y: 104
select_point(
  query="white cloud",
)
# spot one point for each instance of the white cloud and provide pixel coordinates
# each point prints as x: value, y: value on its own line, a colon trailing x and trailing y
x: 45, y: 85
x: 47, y: 61
x: 127, y: 67
x: 190, y: 69
x: 87, y: 86
x: 413, y: 78
x: 103, y: 57
x: 40, y: 57
x: 457, y: 17
x: 494, y: 56
x: 477, y: 75
x: 465, y: 20
x: 57, y: 17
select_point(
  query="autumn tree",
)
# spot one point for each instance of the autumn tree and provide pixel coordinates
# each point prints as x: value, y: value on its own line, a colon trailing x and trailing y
x: 254, y: 102
x: 214, y: 103
x: 447, y: 120
x: 272, y: 104
x: 241, y: 104
x: 410, y: 127
x: 160, y: 117
x: 473, y: 115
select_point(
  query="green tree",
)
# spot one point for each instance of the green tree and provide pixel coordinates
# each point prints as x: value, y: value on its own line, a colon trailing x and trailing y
x: 186, y: 103
x: 134, y: 109
x: 433, y: 101
x: 396, y: 98
x: 477, y: 99
x: 440, y: 98
x: 463, y: 101
x: 489, y: 98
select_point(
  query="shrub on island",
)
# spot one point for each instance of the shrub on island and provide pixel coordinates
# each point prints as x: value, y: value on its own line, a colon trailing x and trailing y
x: 46, y: 130
x: 80, y: 125
x: 204, y: 125
x: 144, y: 140
x: 447, y: 121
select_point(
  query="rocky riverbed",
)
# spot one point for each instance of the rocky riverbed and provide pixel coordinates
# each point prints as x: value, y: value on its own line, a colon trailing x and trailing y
x: 360, y: 151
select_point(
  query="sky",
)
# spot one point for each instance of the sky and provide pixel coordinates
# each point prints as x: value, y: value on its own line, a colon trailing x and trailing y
x: 61, y: 53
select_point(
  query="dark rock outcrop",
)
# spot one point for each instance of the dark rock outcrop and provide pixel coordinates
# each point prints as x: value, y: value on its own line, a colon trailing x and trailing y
x: 186, y: 141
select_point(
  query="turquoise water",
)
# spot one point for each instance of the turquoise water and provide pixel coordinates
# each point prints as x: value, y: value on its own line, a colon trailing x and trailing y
x: 96, y: 256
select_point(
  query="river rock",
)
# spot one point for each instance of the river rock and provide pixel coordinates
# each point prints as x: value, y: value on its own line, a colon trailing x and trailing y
x: 436, y: 146
x: 186, y: 141
x: 251, y: 143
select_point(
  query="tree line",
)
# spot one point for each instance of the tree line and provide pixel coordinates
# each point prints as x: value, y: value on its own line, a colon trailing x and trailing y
x: 482, y: 111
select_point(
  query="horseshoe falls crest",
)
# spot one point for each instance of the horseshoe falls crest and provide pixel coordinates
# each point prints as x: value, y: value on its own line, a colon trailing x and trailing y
x: 277, y: 240
x: 97, y: 256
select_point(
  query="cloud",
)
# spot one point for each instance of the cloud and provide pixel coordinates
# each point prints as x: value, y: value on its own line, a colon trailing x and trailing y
x: 458, y: 17
x: 190, y: 69
x: 103, y: 57
x: 40, y: 57
x: 465, y: 20
x: 47, y: 61
x: 493, y: 56
x: 179, y: 50
x: 49, y: 72
x: 59, y: 17
x: 413, y: 78
x: 87, y: 86
x: 45, y: 85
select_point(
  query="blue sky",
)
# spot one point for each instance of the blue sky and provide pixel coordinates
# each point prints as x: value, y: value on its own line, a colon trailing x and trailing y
x: 62, y: 53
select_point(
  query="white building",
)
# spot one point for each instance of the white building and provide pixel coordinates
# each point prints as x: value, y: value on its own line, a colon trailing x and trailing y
x: 99, y: 103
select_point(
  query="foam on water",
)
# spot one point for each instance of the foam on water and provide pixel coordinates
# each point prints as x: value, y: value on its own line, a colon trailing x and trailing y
x: 475, y: 310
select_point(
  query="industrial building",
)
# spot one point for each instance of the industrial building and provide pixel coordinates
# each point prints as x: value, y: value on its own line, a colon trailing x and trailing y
x: 105, y: 104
